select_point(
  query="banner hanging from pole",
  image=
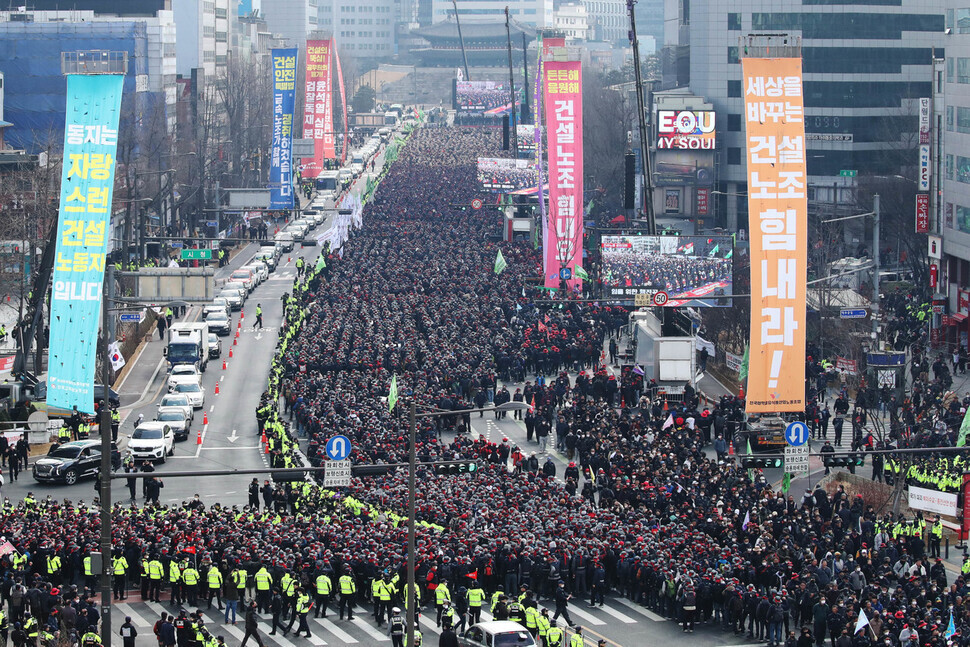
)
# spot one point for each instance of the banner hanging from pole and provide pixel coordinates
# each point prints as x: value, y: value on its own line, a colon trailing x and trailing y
x: 284, y: 98
x: 87, y: 185
x: 562, y: 89
x: 778, y: 215
x: 318, y: 107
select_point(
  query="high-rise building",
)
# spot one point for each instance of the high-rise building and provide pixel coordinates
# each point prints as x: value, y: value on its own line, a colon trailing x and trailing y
x: 292, y: 19
x: 203, y: 36
x: 865, y: 64
x: 537, y: 13
x: 572, y: 21
x: 608, y: 20
x: 363, y: 30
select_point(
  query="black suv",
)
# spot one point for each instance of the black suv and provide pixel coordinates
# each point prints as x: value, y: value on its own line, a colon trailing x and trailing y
x: 69, y: 462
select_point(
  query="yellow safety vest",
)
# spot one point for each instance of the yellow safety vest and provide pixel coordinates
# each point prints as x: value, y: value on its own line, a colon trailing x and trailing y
x: 190, y: 576
x: 324, y: 585
x: 214, y: 578
x: 119, y: 565
x: 263, y: 580
x: 347, y: 585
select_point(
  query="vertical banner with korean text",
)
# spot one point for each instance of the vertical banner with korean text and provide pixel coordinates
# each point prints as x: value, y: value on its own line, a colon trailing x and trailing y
x: 562, y: 88
x: 318, y: 106
x: 87, y: 183
x: 281, y: 160
x: 777, y: 222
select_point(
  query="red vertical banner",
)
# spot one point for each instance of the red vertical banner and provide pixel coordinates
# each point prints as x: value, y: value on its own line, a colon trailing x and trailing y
x: 922, y: 213
x: 778, y: 224
x: 965, y: 525
x: 318, y: 106
x: 703, y: 196
x: 562, y: 88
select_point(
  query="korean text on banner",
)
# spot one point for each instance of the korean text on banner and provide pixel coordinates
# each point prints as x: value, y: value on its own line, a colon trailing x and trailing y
x: 562, y: 88
x: 87, y: 182
x: 775, y: 136
x: 318, y: 106
x: 281, y: 159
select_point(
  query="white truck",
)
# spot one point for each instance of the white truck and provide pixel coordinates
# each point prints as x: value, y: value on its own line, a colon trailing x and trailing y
x: 668, y: 360
x: 188, y: 343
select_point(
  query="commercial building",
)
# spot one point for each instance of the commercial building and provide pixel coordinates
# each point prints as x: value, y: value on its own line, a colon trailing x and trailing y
x: 537, y: 13
x: 608, y: 20
x: 865, y: 68
x: 203, y: 36
x: 292, y: 19
x: 362, y: 30
x: 572, y: 21
x: 31, y: 43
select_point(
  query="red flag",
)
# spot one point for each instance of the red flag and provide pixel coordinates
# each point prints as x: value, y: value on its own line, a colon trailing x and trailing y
x: 533, y: 405
x: 473, y: 575
x: 190, y: 549
x: 542, y: 327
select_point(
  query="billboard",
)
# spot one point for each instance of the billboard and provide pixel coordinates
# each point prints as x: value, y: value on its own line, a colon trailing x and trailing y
x: 674, y: 174
x: 690, y: 270
x: 87, y: 183
x: 922, y: 213
x: 685, y: 129
x: 281, y: 158
x: 562, y: 88
x: 318, y: 107
x: 499, y: 175
x: 778, y: 213
x: 483, y: 98
x: 525, y: 137
x: 924, y: 167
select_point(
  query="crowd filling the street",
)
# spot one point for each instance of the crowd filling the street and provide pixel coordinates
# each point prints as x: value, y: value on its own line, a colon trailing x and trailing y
x: 651, y: 507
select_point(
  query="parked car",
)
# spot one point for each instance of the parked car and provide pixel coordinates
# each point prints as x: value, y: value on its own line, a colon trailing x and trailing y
x: 69, y: 462
x: 183, y: 373
x: 259, y: 269
x: 175, y: 418
x: 152, y: 441
x: 219, y: 304
x: 218, y: 323
x: 497, y: 633
x: 179, y: 400
x: 285, y: 240
x: 194, y: 392
x: 215, y: 345
x: 245, y: 277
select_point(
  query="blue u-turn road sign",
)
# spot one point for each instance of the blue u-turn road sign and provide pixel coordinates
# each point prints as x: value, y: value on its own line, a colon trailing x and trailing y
x: 796, y: 434
x: 338, y: 448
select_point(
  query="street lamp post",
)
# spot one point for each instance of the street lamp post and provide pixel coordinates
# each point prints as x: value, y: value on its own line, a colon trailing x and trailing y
x: 413, y: 415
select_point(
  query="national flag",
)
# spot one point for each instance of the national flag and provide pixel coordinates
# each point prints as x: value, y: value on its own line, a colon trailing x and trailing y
x: 392, y: 394
x: 638, y: 370
x: 950, y: 628
x: 500, y: 263
x: 117, y: 359
x: 861, y: 622
x: 713, y: 252
x: 743, y: 373
x: 581, y: 273
x: 669, y: 422
x: 964, y: 428
x: 747, y: 520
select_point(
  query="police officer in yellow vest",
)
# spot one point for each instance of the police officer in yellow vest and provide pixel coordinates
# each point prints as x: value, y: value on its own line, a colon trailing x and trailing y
x: 348, y: 593
x: 89, y: 578
x: 936, y: 536
x: 381, y: 596
x: 577, y: 639
x: 288, y: 588
x: 264, y: 583
x: 532, y: 620
x: 175, y: 581
x: 324, y: 589
x: 553, y: 637
x: 214, y: 580
x: 90, y: 639
x: 53, y: 563
x: 190, y: 578
x: 418, y: 638
x: 441, y: 595
x: 119, y: 571
x: 64, y: 434
x: 543, y: 623
x: 156, y: 571
x: 301, y: 610
x: 476, y: 597
x: 30, y: 628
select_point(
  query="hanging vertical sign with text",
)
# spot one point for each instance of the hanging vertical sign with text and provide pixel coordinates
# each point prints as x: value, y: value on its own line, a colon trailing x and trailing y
x: 775, y: 139
x: 562, y: 89
x: 281, y: 159
x: 318, y: 106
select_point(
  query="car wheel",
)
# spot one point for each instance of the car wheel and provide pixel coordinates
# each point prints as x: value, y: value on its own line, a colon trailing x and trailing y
x: 70, y: 478
x: 163, y: 458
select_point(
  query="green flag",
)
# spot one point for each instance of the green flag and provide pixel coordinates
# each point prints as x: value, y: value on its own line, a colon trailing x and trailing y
x: 581, y: 273
x: 500, y: 263
x: 750, y: 471
x: 392, y: 394
x: 964, y: 428
x: 713, y: 252
x: 743, y: 373
x: 321, y: 263
x: 786, y: 483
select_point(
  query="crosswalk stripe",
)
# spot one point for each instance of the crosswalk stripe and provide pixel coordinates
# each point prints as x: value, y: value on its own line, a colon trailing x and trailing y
x: 647, y: 613
x: 430, y: 625
x: 126, y: 610
x: 330, y: 626
x: 625, y: 619
x: 591, y: 619
x: 371, y: 631
x: 316, y: 640
x: 282, y: 640
x: 156, y: 608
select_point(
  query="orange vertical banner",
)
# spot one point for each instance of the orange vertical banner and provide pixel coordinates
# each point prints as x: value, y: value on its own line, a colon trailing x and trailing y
x: 777, y: 222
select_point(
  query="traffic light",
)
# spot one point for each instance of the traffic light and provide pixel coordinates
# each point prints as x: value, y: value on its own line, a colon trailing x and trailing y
x: 844, y: 460
x: 749, y: 462
x: 455, y: 467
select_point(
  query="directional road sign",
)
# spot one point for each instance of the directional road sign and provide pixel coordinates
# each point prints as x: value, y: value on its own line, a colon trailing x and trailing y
x: 796, y: 460
x: 196, y: 254
x: 796, y: 433
x: 211, y: 223
x: 338, y: 448
x: 853, y: 313
x: 336, y: 474
x: 130, y: 316
x: 178, y: 244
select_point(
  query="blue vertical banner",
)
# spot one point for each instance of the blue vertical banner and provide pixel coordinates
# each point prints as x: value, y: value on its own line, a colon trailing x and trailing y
x: 87, y: 183
x: 284, y: 99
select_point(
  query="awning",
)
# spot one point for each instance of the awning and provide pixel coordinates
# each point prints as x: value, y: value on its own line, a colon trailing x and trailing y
x: 957, y: 318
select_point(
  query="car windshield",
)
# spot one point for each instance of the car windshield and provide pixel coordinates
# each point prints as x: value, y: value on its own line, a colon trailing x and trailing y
x: 241, y: 275
x: 146, y: 434
x: 169, y: 416
x: 188, y: 388
x: 213, y: 339
x: 216, y: 316
x: 175, y: 401
x: 517, y: 639
x: 183, y: 370
x: 65, y: 452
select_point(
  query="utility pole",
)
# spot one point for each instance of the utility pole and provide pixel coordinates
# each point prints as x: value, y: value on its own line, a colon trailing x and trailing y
x: 412, y: 467
x: 641, y: 121
x: 526, y: 110
x: 464, y: 57
x: 508, y: 36
x: 874, y: 315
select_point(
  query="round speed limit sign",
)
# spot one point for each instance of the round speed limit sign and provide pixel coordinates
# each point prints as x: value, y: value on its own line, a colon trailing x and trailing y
x: 660, y: 298
x: 477, y: 204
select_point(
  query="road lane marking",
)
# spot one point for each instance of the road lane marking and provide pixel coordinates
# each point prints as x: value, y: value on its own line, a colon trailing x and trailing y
x: 625, y: 619
x: 330, y: 626
x: 647, y: 613
x: 127, y: 611
x: 590, y: 619
x: 369, y: 630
